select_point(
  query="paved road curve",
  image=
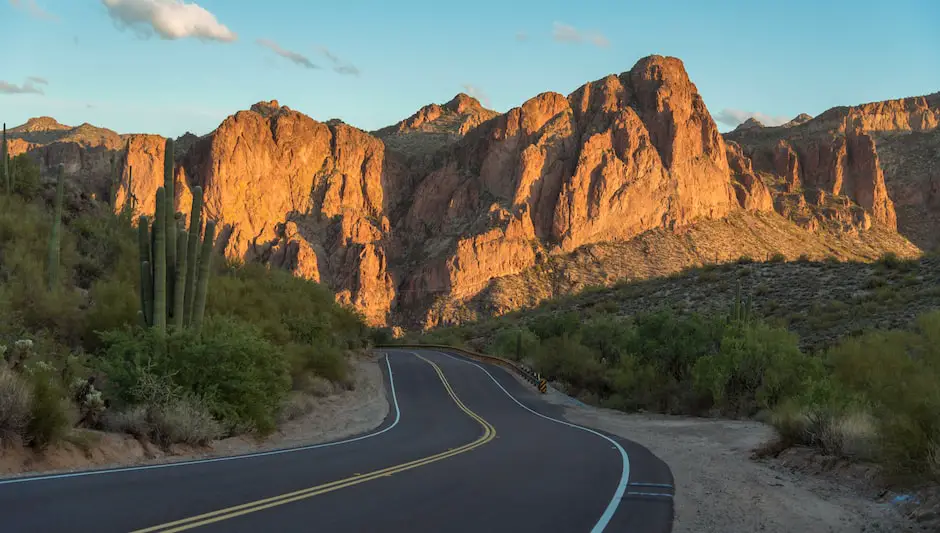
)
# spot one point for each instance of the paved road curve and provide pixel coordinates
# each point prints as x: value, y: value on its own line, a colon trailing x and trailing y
x: 466, y: 447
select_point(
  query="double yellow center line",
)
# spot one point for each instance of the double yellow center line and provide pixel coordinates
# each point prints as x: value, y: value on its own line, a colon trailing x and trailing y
x: 489, y: 433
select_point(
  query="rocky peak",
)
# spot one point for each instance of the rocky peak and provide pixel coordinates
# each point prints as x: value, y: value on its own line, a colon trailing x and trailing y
x: 749, y: 124
x: 463, y: 103
x: 269, y: 108
x: 802, y: 118
x: 38, y: 124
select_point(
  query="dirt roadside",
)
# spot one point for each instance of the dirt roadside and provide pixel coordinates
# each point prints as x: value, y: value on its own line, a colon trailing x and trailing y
x: 332, y: 417
x: 722, y: 490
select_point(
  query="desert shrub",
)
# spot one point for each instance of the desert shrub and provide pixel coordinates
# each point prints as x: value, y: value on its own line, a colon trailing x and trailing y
x: 133, y: 420
x: 381, y: 336
x: 549, y: 325
x: 567, y: 360
x: 674, y: 343
x: 755, y: 367
x: 514, y: 343
x: 230, y: 367
x: 609, y: 336
x: 778, y: 258
x: 285, y: 308
x: 186, y: 420
x: 49, y: 409
x: 15, y: 406
x: 316, y: 359
x: 114, y: 305
x: 27, y: 176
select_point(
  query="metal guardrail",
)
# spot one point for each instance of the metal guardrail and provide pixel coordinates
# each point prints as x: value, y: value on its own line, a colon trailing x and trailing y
x: 525, y: 372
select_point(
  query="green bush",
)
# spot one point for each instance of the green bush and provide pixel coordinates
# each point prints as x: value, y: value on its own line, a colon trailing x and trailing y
x: 756, y: 367
x: 550, y: 325
x: 241, y: 377
x: 27, y: 176
x: 49, y: 411
x: 567, y: 360
x: 515, y: 343
x: 778, y: 258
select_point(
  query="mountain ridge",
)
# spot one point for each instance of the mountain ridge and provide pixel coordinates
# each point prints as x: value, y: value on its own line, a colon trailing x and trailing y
x: 413, y: 222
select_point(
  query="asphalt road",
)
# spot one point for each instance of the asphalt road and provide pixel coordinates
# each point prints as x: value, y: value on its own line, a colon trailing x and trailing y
x: 466, y: 447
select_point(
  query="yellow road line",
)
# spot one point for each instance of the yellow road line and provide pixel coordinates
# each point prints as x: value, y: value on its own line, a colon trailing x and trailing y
x: 489, y: 433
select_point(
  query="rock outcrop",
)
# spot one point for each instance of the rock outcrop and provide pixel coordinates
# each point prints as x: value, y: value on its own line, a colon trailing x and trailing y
x: 836, y: 155
x: 435, y: 126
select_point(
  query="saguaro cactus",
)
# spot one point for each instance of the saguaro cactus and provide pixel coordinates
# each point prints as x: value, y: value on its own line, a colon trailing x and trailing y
x: 146, y: 272
x: 202, y: 284
x: 54, y: 237
x: 170, y: 210
x: 174, y: 292
x: 159, y: 262
x: 6, y: 162
x: 179, y: 286
x: 195, y: 223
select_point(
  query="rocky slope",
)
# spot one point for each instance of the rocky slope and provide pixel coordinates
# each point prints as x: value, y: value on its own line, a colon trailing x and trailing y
x: 432, y: 218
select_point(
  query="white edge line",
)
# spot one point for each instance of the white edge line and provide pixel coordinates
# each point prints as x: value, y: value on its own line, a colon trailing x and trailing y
x: 624, y: 473
x: 656, y: 494
x: 280, y: 451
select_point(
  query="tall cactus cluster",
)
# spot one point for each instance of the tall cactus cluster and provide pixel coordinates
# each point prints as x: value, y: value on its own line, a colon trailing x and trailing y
x: 174, y: 261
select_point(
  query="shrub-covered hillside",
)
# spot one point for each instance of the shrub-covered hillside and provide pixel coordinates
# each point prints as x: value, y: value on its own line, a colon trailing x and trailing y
x: 78, y: 354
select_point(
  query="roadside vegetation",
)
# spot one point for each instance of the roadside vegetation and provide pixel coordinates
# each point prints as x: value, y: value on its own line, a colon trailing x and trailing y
x: 78, y: 351
x: 873, y: 396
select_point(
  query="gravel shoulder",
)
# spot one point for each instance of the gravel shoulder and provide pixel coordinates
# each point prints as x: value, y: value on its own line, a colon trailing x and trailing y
x: 721, y: 489
x: 342, y: 414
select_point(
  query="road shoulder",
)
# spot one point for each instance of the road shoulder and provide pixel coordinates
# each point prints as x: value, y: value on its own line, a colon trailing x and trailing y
x: 342, y: 414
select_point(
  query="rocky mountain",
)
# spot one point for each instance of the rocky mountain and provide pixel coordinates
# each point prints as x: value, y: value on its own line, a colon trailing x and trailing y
x: 830, y: 169
x: 459, y: 210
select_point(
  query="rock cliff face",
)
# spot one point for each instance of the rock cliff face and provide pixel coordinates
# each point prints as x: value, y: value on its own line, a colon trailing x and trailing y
x: 838, y: 156
x: 414, y: 223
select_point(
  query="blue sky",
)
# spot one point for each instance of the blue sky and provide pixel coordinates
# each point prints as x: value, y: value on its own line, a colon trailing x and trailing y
x: 135, y: 65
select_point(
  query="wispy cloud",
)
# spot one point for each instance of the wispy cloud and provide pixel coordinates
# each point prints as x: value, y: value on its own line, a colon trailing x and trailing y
x: 339, y: 66
x: 34, y: 9
x: 30, y: 86
x: 522, y: 36
x: 170, y: 19
x: 477, y: 93
x: 564, y: 33
x: 296, y: 57
x: 734, y: 117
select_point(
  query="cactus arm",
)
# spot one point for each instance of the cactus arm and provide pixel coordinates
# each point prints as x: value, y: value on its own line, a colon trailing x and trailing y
x: 195, y: 223
x: 180, y: 285
x: 170, y: 222
x: 202, y: 284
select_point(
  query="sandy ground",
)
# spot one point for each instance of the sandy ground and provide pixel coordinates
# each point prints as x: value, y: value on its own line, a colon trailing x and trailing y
x: 340, y: 415
x: 721, y: 489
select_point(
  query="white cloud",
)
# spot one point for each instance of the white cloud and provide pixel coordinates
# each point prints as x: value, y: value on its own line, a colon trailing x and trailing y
x: 34, y: 9
x: 477, y: 93
x: 339, y: 66
x: 170, y: 19
x: 296, y: 57
x: 734, y: 117
x: 564, y: 33
x: 30, y: 86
